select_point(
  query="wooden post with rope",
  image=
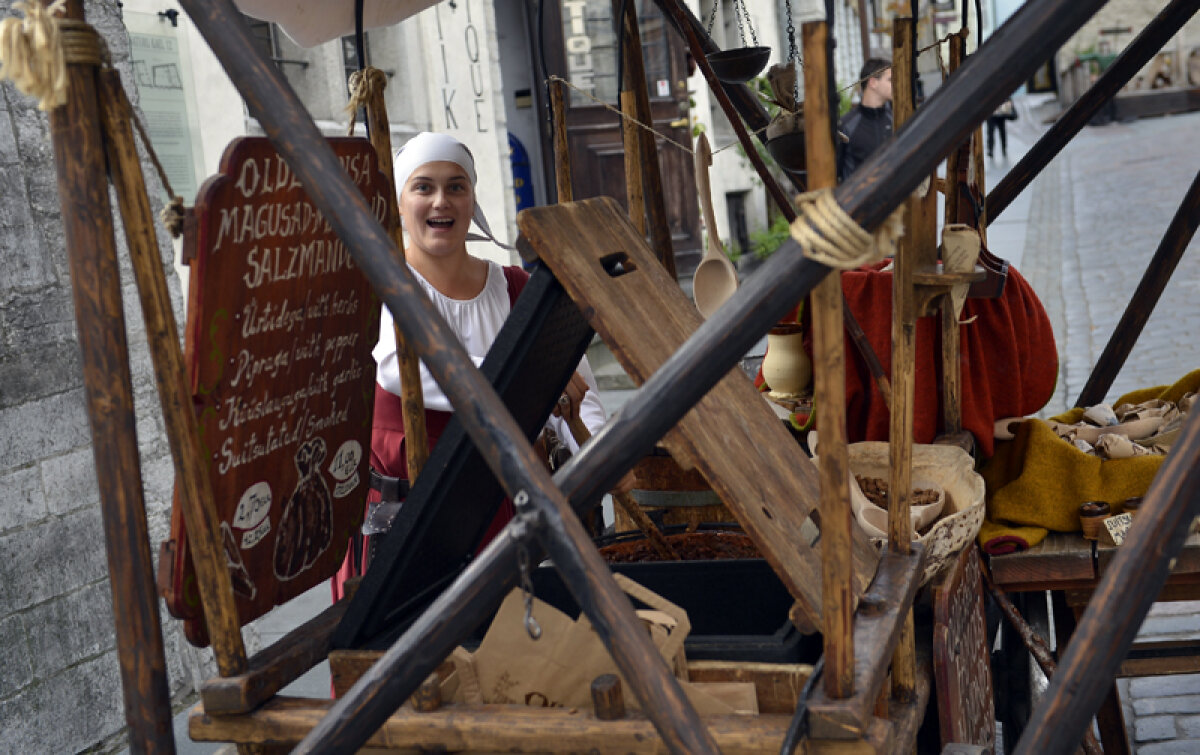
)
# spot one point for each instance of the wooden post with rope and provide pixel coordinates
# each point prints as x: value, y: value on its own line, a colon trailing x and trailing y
x: 368, y: 89
x: 829, y: 387
x: 79, y: 155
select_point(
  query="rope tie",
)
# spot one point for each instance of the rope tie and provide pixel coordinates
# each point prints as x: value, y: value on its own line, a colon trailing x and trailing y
x: 31, y: 53
x: 828, y: 235
x: 82, y: 44
x: 364, y: 85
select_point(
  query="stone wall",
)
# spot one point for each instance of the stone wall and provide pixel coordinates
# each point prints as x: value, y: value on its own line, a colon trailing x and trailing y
x: 60, y: 688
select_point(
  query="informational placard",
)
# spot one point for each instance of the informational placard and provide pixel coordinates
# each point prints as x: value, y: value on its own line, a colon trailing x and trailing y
x: 961, y: 661
x: 281, y: 324
x: 159, y: 70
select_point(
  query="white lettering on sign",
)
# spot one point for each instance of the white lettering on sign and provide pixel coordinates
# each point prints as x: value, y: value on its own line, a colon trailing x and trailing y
x: 253, y: 537
x: 345, y: 461
x: 254, y: 505
x: 581, y: 69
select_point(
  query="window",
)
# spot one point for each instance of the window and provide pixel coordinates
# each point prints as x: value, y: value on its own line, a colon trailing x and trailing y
x: 350, y: 54
x: 266, y: 37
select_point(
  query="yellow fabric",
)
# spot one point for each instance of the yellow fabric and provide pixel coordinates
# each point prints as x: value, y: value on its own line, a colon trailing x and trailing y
x: 1036, y: 481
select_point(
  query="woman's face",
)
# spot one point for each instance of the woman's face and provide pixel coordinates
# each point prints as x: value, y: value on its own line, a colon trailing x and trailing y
x: 437, y: 203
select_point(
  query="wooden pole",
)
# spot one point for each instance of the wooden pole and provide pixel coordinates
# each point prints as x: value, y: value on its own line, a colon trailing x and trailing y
x: 904, y: 321
x: 75, y: 131
x: 183, y: 432
x: 1151, y: 39
x: 1170, y: 250
x: 953, y: 161
x: 412, y: 402
x: 680, y: 14
x: 647, y: 171
x: 950, y: 330
x: 562, y: 148
x: 631, y: 133
x: 829, y: 383
x: 868, y: 196
x: 1130, y: 585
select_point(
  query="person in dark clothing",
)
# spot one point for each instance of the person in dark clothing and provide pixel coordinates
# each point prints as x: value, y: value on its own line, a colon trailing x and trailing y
x: 869, y: 123
x: 997, y: 121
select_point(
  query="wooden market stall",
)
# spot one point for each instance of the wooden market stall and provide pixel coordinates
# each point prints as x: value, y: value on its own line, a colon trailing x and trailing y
x: 875, y: 682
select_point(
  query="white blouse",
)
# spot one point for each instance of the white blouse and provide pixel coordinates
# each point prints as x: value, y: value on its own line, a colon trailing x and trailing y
x: 476, y: 321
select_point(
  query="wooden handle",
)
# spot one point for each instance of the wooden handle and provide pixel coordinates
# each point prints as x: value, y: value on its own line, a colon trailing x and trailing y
x: 703, y: 160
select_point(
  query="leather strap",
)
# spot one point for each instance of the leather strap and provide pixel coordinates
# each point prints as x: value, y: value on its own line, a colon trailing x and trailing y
x: 391, y: 489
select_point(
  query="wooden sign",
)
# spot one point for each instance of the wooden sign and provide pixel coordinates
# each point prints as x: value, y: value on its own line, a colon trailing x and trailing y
x: 961, y: 661
x: 1116, y: 528
x: 281, y: 324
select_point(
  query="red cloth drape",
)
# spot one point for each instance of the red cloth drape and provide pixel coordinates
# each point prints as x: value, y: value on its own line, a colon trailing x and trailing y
x: 1009, y: 360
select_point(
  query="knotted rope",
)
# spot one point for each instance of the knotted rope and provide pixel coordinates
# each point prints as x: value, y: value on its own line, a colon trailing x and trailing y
x: 828, y: 235
x: 31, y: 53
x: 364, y: 85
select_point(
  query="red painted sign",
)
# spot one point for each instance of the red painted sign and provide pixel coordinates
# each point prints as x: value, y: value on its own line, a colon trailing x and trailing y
x: 281, y: 324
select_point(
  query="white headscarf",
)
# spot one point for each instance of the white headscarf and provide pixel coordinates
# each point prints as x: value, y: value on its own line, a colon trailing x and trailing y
x: 428, y: 147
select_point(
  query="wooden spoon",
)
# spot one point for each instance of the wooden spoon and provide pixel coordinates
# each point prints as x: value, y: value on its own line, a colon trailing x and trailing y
x: 715, y: 278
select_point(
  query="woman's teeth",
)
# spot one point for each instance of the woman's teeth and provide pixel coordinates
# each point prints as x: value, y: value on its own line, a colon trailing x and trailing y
x: 440, y: 223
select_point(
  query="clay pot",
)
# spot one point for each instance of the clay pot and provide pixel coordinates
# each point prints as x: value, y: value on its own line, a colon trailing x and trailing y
x: 786, y: 368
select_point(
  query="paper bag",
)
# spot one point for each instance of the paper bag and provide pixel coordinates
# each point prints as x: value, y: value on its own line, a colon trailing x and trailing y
x: 557, y: 670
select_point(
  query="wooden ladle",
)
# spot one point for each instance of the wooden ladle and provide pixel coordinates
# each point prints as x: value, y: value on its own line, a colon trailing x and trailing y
x: 715, y: 278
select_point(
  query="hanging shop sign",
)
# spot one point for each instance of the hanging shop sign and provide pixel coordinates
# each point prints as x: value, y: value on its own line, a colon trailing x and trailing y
x: 281, y: 324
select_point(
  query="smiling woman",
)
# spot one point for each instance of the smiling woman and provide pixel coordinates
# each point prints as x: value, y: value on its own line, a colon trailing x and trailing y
x: 436, y: 177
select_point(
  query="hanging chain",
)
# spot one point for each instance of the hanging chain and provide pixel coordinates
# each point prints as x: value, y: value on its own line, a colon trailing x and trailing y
x: 744, y: 15
x: 521, y: 533
x: 793, y: 53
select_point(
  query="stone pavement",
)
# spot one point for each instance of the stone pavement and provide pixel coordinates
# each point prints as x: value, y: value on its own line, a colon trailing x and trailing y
x: 1082, y: 233
x: 1094, y: 218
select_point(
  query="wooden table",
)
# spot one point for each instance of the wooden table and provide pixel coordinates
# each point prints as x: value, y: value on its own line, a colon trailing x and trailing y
x: 1070, y: 568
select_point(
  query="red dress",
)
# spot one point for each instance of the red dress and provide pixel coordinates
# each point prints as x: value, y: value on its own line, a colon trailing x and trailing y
x: 388, y: 450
